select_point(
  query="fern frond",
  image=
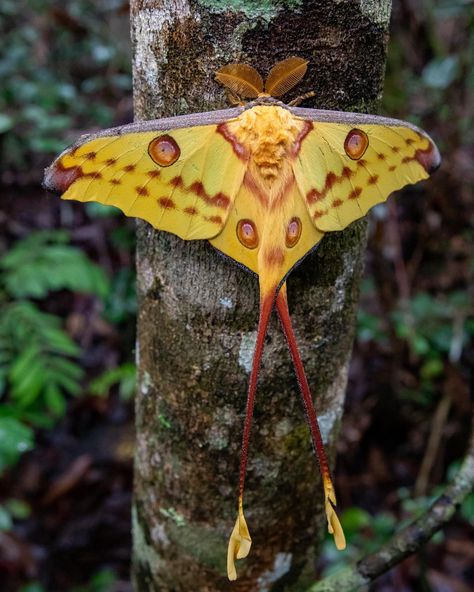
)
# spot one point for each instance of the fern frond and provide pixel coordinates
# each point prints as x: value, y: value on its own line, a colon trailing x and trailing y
x: 37, y: 359
x: 44, y: 262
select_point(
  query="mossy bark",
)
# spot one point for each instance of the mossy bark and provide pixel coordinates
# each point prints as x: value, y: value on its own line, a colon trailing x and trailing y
x: 198, y: 312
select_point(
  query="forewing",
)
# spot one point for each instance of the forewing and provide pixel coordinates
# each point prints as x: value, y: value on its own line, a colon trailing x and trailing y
x: 191, y: 197
x: 338, y: 188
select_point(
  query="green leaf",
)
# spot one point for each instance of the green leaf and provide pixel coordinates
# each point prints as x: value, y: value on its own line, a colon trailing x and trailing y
x: 467, y: 509
x: 6, y: 122
x: 58, y: 341
x: 27, y: 387
x: 38, y: 419
x: 6, y: 522
x: 124, y: 376
x: 15, y: 438
x: 432, y: 369
x: 420, y: 344
x: 18, y: 509
x: 37, y: 370
x: 60, y: 365
x: 98, y: 210
x: 103, y: 581
x: 384, y: 524
x: 55, y: 400
x: 354, y: 519
x: 441, y: 72
x: 22, y: 364
x: 69, y: 385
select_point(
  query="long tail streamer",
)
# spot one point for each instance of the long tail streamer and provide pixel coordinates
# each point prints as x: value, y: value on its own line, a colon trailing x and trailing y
x: 240, y: 541
x: 334, y: 526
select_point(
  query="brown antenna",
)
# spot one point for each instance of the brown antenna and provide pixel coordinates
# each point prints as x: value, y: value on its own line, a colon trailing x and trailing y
x: 285, y: 75
x: 241, y: 79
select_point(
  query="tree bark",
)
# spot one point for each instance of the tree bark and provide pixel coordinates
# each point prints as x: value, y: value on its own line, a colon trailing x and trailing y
x: 198, y: 312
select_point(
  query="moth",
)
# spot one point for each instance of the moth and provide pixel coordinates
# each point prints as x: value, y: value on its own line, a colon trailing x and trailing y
x: 263, y: 182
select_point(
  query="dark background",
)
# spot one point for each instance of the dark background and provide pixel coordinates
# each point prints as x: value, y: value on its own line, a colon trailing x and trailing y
x: 67, y: 312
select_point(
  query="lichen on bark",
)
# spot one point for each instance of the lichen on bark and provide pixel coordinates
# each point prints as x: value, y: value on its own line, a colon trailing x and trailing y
x: 198, y: 313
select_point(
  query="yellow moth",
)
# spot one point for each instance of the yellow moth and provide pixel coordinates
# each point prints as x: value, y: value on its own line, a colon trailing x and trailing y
x: 262, y: 182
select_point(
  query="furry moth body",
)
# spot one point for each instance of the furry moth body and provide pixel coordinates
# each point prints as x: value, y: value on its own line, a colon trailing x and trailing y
x: 263, y: 182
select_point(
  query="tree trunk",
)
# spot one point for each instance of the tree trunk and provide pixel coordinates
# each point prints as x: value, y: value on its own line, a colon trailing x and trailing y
x: 198, y: 312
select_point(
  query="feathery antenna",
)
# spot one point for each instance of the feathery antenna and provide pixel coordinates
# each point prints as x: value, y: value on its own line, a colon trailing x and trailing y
x: 241, y: 79
x: 285, y: 75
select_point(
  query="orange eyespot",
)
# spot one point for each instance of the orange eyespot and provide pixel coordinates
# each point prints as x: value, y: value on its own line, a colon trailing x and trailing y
x: 164, y: 150
x: 293, y: 232
x: 247, y: 234
x: 356, y: 144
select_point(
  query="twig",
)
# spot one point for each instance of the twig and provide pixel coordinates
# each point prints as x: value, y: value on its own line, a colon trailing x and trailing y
x: 409, y: 539
x: 436, y: 434
x: 442, y: 411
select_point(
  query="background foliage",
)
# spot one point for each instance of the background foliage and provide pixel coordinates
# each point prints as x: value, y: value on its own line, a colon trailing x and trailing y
x: 67, y: 310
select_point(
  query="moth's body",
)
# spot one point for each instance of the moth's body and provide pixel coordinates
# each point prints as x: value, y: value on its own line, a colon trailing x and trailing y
x: 263, y: 183
x: 268, y: 138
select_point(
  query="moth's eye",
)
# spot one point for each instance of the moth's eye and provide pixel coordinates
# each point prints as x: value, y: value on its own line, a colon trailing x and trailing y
x: 247, y: 234
x: 356, y: 144
x: 293, y: 232
x: 164, y: 150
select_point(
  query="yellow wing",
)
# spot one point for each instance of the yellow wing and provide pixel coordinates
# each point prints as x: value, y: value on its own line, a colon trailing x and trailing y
x: 345, y: 168
x: 181, y: 180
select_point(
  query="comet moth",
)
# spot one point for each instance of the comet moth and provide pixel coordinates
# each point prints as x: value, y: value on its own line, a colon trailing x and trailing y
x: 263, y: 182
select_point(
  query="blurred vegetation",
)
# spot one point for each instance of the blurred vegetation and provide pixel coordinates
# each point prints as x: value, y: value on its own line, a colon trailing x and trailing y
x: 39, y: 362
x: 68, y: 304
x: 38, y: 359
x: 62, y: 71
x: 435, y: 331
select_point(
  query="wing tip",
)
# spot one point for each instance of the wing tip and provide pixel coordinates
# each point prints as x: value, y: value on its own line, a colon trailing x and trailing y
x: 48, y: 185
x: 429, y: 158
x: 58, y: 178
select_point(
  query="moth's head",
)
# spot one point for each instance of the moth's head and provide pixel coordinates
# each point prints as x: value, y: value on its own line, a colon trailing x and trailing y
x: 244, y: 82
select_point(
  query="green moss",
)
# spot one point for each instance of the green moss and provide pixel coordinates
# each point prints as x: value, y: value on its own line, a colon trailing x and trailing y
x: 266, y: 9
x: 343, y: 580
x: 163, y: 421
x: 297, y: 439
x: 175, y: 516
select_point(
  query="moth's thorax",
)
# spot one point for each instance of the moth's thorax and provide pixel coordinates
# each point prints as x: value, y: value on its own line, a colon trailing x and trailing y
x: 268, y: 134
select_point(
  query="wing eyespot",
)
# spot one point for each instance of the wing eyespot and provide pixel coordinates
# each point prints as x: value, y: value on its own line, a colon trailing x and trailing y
x: 247, y: 234
x: 356, y: 143
x: 164, y: 150
x: 293, y: 232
